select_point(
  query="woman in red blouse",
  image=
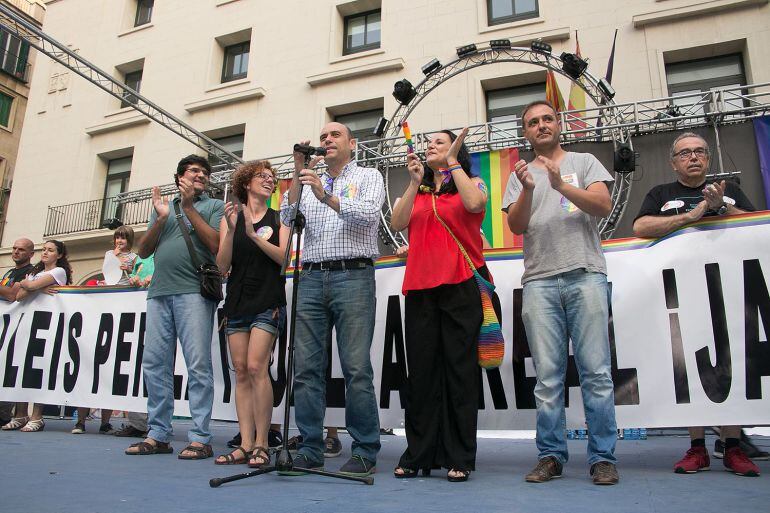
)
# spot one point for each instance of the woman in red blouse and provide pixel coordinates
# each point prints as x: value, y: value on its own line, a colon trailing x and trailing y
x: 443, y: 308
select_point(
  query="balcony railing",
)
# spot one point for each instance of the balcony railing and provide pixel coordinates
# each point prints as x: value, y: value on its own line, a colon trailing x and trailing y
x: 94, y: 215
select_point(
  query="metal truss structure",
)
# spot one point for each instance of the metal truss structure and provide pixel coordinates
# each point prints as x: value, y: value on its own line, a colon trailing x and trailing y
x: 605, y: 122
x: 18, y: 26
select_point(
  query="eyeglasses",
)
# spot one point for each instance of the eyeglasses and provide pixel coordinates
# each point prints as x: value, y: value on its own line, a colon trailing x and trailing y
x: 198, y: 170
x: 687, y: 153
x: 265, y: 177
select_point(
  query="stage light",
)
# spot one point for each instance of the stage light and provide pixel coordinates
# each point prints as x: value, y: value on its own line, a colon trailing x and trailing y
x: 432, y: 67
x: 464, y: 51
x: 573, y: 65
x: 500, y: 44
x: 112, y: 223
x: 538, y: 45
x: 624, y: 160
x: 403, y: 91
x: 606, y: 88
x: 379, y: 128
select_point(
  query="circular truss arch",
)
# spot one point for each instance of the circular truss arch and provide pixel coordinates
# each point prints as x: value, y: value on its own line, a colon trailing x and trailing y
x: 610, y: 116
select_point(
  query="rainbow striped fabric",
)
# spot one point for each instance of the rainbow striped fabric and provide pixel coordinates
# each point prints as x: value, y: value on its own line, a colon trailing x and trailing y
x: 494, y: 167
x: 491, y: 347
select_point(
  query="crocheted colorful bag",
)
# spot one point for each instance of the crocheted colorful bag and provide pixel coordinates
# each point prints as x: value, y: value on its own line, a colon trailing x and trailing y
x: 491, y: 342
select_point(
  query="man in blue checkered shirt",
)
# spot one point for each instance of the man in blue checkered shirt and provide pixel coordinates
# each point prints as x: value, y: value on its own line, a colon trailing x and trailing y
x: 337, y: 289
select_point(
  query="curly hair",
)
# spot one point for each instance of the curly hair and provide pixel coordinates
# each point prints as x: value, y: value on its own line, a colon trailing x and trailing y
x: 60, y: 262
x: 245, y: 173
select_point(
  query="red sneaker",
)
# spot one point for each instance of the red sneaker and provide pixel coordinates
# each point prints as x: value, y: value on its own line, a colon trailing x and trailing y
x: 696, y: 459
x: 737, y: 462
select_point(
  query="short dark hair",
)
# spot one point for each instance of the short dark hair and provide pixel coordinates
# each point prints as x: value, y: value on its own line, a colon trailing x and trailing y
x: 192, y: 159
x: 463, y: 158
x: 124, y: 232
x: 534, y: 104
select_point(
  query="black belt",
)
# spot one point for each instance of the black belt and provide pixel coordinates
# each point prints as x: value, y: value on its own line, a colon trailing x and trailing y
x: 338, y: 265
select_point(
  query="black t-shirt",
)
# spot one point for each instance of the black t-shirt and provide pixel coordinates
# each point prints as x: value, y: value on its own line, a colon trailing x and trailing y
x: 15, y: 275
x: 674, y: 198
x: 255, y: 283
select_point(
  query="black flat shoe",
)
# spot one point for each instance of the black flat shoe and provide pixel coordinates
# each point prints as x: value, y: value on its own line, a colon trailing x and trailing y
x: 408, y: 473
x: 458, y: 479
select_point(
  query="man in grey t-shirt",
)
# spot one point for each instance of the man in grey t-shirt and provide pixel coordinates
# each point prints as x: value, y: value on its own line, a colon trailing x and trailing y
x: 555, y: 201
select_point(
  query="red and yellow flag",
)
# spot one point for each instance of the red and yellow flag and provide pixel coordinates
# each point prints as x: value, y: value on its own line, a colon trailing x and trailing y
x: 552, y: 92
x: 577, y: 98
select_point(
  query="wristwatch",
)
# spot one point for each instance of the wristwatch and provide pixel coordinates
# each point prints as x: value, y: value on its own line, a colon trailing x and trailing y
x: 722, y: 210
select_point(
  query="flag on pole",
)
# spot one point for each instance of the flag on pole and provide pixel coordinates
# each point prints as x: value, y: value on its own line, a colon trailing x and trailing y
x: 552, y: 92
x: 608, y: 77
x: 611, y: 61
x: 577, y: 98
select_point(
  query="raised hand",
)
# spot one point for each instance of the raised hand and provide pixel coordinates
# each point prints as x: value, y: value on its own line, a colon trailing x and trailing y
x: 299, y: 158
x: 454, y: 149
x: 159, y: 203
x: 415, y: 168
x: 554, y: 172
x: 231, y: 213
x: 186, y: 191
x: 522, y: 173
x: 308, y: 176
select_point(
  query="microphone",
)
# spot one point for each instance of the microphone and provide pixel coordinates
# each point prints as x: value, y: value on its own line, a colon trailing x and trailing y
x: 309, y: 150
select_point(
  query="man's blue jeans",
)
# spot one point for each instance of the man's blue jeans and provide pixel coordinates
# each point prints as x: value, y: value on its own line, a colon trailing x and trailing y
x: 572, y: 305
x: 190, y: 317
x: 346, y: 300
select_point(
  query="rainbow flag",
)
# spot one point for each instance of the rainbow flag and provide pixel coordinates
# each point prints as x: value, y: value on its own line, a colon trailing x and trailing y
x: 275, y: 198
x: 494, y: 167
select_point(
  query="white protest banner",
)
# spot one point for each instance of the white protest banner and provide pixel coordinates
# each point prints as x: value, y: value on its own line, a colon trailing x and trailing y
x: 688, y: 337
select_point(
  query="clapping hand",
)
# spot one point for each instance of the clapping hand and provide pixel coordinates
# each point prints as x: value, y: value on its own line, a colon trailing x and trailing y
x: 714, y: 195
x: 554, y: 172
x: 159, y: 203
x: 522, y: 173
x: 231, y: 213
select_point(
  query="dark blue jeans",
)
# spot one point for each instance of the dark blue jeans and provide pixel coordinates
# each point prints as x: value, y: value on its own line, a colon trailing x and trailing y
x: 346, y: 300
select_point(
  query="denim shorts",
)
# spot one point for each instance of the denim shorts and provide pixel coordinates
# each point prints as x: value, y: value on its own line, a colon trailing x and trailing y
x: 272, y: 321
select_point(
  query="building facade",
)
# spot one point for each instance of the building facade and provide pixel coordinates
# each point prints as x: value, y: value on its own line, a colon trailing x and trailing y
x: 16, y: 62
x: 258, y: 76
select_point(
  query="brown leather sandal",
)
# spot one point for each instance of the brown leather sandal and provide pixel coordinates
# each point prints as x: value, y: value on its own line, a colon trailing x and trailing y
x: 199, y: 452
x: 230, y: 459
x: 259, y: 453
x: 145, y: 448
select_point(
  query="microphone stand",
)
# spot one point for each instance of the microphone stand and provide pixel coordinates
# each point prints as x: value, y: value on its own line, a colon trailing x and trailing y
x: 284, y: 461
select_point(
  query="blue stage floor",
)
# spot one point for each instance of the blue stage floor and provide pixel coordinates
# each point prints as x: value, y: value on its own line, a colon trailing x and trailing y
x: 54, y: 471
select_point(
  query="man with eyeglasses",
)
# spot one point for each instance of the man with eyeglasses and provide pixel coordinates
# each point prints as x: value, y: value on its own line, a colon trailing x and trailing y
x: 668, y: 207
x: 176, y: 309
x: 342, y: 209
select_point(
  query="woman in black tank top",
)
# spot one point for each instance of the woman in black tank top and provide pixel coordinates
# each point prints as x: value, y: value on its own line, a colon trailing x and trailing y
x: 252, y: 242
